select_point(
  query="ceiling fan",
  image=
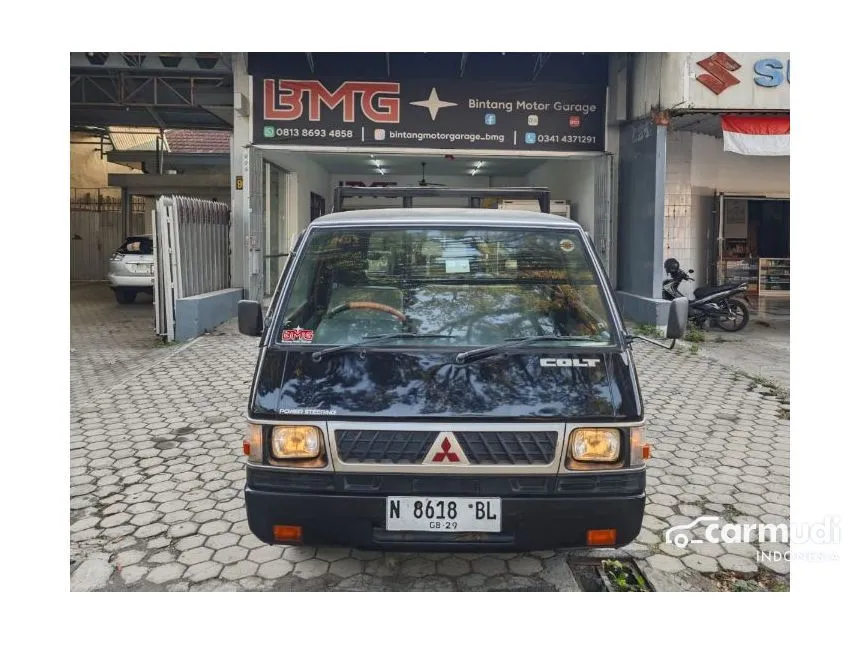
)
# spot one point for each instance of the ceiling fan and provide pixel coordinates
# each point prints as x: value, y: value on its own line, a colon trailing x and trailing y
x: 423, y: 181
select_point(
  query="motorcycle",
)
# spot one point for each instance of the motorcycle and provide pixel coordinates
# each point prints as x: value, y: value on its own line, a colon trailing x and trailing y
x: 715, y: 304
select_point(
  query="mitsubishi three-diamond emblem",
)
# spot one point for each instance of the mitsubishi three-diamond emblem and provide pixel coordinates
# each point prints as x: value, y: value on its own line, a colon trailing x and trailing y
x: 445, y: 450
x: 433, y: 104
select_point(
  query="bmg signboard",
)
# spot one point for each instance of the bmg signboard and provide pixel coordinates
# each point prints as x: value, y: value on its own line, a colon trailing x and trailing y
x: 429, y: 115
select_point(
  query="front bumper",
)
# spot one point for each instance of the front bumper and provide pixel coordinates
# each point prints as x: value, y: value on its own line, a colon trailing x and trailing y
x: 537, y: 512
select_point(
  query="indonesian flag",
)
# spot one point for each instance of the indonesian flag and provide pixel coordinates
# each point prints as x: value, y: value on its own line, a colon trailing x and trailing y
x: 757, y: 135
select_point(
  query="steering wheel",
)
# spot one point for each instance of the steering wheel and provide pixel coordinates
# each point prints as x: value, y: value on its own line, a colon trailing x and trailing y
x: 366, y: 304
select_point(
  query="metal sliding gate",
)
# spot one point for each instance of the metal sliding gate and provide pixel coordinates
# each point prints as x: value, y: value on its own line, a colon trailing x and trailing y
x: 192, y: 254
x: 603, y: 213
x: 97, y: 230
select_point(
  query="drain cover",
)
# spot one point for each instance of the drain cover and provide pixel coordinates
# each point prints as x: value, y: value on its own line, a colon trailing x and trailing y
x: 589, y: 574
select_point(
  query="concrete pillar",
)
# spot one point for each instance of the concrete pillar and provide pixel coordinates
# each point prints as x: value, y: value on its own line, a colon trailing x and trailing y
x: 239, y: 149
x: 642, y: 183
x: 125, y: 225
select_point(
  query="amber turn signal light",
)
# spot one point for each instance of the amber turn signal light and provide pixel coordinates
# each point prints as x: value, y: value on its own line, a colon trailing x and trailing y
x: 252, y: 443
x: 286, y: 533
x: 646, y: 451
x: 600, y: 537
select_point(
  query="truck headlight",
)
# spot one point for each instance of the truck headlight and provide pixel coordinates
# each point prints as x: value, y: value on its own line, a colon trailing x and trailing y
x: 595, y: 445
x: 296, y: 442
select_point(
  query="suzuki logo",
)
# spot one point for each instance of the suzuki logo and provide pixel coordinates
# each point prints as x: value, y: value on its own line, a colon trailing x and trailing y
x: 285, y: 103
x: 446, y: 448
x: 719, y: 67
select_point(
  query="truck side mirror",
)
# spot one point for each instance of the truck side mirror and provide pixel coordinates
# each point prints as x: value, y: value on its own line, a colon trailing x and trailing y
x: 250, y: 318
x: 677, y: 324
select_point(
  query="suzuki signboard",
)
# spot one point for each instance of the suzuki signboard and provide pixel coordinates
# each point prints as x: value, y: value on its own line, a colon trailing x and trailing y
x: 729, y: 80
x: 524, y: 117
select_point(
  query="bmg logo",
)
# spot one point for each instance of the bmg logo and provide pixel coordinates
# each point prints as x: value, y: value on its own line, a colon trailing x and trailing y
x: 283, y: 100
x: 719, y: 67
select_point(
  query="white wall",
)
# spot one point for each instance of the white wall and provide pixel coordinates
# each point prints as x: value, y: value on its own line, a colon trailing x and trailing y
x: 696, y: 168
x: 569, y: 179
x: 305, y: 176
x: 508, y: 182
x: 680, y: 87
x: 669, y: 81
x: 239, y: 199
x: 680, y: 225
x: 648, y: 75
x: 727, y: 172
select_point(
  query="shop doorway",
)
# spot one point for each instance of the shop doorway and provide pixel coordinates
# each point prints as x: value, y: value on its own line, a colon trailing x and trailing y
x: 275, y: 250
x: 317, y: 206
x: 754, y: 246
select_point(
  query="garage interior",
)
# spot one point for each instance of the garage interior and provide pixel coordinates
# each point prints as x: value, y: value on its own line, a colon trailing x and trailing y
x: 299, y: 186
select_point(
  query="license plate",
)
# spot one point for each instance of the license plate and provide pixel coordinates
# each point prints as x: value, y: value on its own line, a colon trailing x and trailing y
x: 444, y: 514
x: 141, y: 267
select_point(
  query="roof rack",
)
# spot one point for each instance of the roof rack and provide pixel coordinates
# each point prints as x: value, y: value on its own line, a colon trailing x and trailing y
x: 408, y: 193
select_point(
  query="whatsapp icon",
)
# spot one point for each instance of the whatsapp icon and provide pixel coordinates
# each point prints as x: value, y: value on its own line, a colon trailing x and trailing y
x: 268, y: 131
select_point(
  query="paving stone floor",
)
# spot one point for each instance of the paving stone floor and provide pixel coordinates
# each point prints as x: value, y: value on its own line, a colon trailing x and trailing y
x: 157, y: 472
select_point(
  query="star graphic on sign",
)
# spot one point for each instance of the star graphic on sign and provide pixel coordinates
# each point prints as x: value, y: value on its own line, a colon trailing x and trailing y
x: 433, y: 104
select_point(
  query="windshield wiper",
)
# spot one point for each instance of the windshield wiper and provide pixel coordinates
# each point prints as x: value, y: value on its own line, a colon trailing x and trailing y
x: 369, y: 340
x: 481, y: 352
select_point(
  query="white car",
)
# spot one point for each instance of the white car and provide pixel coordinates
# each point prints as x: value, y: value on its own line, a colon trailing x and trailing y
x: 131, y: 269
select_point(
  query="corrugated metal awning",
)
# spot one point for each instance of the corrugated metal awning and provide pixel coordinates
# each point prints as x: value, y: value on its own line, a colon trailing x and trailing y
x: 133, y: 138
x: 710, y: 122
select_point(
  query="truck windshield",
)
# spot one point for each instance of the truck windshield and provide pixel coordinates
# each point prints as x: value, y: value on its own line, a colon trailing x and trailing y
x: 444, y: 287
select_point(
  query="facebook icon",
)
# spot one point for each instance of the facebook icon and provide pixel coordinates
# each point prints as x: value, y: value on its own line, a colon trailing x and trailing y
x: 490, y: 119
x: 531, y: 137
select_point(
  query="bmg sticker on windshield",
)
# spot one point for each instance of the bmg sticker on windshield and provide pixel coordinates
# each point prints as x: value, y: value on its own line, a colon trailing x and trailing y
x: 297, y: 335
x: 566, y: 245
